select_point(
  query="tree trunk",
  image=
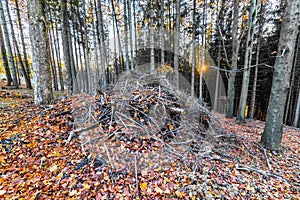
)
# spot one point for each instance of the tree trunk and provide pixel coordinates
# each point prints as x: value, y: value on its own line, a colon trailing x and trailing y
x: 52, y: 44
x: 86, y: 52
x: 9, y: 49
x: 126, y: 35
x: 118, y: 33
x: 272, y: 135
x: 4, y: 58
x: 43, y: 93
x: 253, y: 94
x: 235, y: 50
x: 193, y: 50
x: 65, y: 42
x: 101, y: 44
x: 25, y: 57
x: 26, y: 76
x: 57, y: 51
x: 152, y: 52
x: 176, y: 45
x: 162, y: 32
x: 135, y: 27
x: 247, y: 64
x: 130, y: 33
x: 297, y: 112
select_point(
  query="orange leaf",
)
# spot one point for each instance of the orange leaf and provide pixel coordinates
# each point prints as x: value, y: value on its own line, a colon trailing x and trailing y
x: 144, y: 185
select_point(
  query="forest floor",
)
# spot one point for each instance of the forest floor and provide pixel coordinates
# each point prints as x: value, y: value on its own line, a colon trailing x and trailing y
x: 37, y: 162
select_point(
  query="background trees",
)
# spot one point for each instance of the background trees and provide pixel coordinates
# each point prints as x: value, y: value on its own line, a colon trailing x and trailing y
x: 92, y: 42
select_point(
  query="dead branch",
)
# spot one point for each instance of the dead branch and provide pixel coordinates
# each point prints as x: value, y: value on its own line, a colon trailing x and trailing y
x: 265, y: 154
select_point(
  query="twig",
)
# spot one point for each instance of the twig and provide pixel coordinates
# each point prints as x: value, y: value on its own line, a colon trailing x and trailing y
x: 264, y: 173
x: 246, y: 168
x: 247, y: 148
x: 108, y: 156
x: 92, y: 126
x: 181, y: 143
x: 265, y: 154
x: 72, y: 133
x: 136, y: 173
x: 220, y: 159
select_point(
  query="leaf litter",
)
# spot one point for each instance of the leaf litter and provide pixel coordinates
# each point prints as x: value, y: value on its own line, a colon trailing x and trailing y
x: 140, y: 148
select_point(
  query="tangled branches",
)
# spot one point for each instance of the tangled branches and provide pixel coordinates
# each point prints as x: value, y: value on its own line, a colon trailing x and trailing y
x: 143, y: 122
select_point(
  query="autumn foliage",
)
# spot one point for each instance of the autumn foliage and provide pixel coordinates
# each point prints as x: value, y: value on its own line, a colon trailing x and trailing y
x: 40, y: 161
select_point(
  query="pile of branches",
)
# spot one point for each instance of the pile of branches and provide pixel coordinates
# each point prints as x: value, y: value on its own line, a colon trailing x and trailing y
x: 143, y: 123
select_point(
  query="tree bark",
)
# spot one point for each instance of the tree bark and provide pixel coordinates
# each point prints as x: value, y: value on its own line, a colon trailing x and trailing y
x: 247, y: 64
x: 152, y: 53
x: 272, y: 135
x: 26, y: 76
x: 126, y: 35
x: 235, y: 50
x: 193, y: 50
x: 5, y: 60
x: 253, y: 94
x: 43, y: 93
x: 176, y: 45
x: 25, y: 57
x: 65, y: 42
x: 101, y: 44
x: 8, y: 46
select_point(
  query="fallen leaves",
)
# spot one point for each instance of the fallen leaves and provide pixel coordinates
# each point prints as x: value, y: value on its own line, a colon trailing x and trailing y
x: 37, y: 163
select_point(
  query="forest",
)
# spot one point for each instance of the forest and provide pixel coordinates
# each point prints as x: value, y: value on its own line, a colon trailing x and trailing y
x: 150, y: 99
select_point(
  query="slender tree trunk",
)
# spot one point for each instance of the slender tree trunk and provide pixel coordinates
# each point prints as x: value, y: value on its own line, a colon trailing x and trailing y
x: 102, y: 44
x: 193, y: 50
x: 66, y: 48
x: 130, y: 33
x: 152, y: 52
x: 296, y: 113
x: 247, y: 64
x: 216, y: 100
x: 52, y: 59
x: 118, y: 32
x: 289, y: 105
x: 135, y: 27
x: 176, y: 45
x: 25, y: 57
x: 4, y: 58
x: 235, y: 50
x: 126, y: 35
x: 272, y: 135
x: 162, y: 32
x: 26, y: 76
x: 43, y: 93
x: 57, y: 51
x: 253, y: 95
x: 86, y: 53
x: 9, y: 49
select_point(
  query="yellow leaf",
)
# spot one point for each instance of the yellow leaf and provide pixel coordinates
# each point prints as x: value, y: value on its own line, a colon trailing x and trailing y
x: 243, y: 193
x: 158, y: 190
x: 60, y: 175
x: 73, y: 192
x: 53, y: 168
x: 171, y: 127
x: 106, y: 178
x: 179, y: 194
x: 144, y: 185
x: 86, y: 186
x: 2, y: 192
x: 250, y: 188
